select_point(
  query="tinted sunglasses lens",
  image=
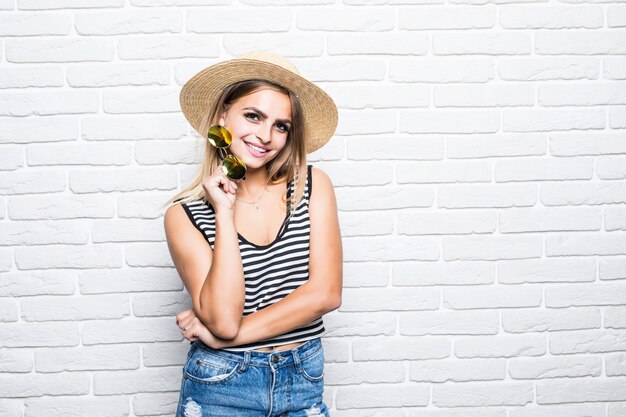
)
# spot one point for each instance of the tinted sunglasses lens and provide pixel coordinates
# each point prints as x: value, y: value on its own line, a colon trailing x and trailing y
x: 219, y: 136
x: 233, y: 167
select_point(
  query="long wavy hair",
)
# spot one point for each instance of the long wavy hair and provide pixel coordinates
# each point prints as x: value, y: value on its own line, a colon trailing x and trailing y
x: 288, y: 165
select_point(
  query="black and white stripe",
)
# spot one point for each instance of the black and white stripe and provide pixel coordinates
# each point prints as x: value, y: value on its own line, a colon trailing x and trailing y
x: 271, y: 271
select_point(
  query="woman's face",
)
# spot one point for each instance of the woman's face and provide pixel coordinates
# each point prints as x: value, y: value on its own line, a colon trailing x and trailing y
x: 259, y: 124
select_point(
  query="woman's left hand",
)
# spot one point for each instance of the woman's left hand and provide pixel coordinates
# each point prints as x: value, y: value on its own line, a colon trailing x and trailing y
x: 192, y: 329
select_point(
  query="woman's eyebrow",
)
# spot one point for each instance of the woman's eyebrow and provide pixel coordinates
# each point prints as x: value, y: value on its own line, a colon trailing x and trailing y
x: 263, y: 115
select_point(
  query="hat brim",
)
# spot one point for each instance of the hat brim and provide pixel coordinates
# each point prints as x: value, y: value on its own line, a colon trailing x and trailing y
x: 318, y: 108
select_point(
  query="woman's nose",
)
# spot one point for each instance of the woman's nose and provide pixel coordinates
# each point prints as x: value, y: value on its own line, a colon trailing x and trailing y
x: 264, y: 132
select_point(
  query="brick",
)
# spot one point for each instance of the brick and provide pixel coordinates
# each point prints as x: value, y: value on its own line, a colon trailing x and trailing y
x: 18, y: 386
x: 129, y: 280
x: 587, y: 341
x: 66, y: 4
x: 15, y: 284
x: 498, y: 145
x: 389, y: 249
x: 616, y: 16
x: 546, y: 270
x: 114, y: 75
x: 43, y: 232
x: 548, y: 68
x: 127, y: 230
x: 97, y: 181
x: 11, y: 408
x: 142, y: 205
x: 616, y: 409
x: 131, y: 382
x: 294, y: 45
x: 358, y: 324
x: 354, y: 20
x: 343, y: 69
x: 167, y: 47
x: 415, y: 223
x: 87, y: 358
x: 155, y: 404
x: 383, y: 148
x: 130, y: 331
x: 390, y: 299
x: 611, y: 269
x: 6, y: 260
x: 545, y: 120
x: 617, y: 117
x: 141, y: 101
x: 11, y: 157
x: 611, y: 168
x: 499, y: 346
x: 358, y: 173
x: 108, y: 406
x: 615, y: 317
x: 334, y: 150
x: 615, y: 364
x: 564, y: 410
x: 585, y: 244
x: 32, y: 181
x: 336, y: 351
x: 239, y: 20
x: 400, y: 348
x: 25, y: 335
x: 40, y: 129
x: 551, y: 219
x: 503, y: 43
x: 286, y: 2
x: 377, y: 43
x: 148, y: 254
x: 449, y: 121
x: 15, y: 360
x: 484, y: 95
x: 483, y: 394
x: 575, y: 144
x: 595, y: 294
x: 458, y: 17
x: 38, y: 76
x: 56, y: 207
x: 85, y: 307
x: 590, y: 94
x: 79, y: 154
x: 165, y: 354
x: 379, y: 96
x: 59, y: 50
x: 158, y: 152
x: 364, y: 373
x: 383, y: 395
x: 491, y: 248
x: 582, y: 192
x: 449, y: 322
x: 32, y: 24
x: 487, y: 196
x: 580, y: 390
x: 362, y: 275
x: 551, y: 17
x: 165, y: 304
x: 365, y: 224
x: 580, y: 42
x: 492, y: 297
x: 461, y: 412
x: 443, y: 172
x: 386, y: 197
x: 150, y: 127
x: 457, y: 370
x: 441, y: 70
x: 8, y: 310
x: 68, y: 256
x: 128, y: 22
x: 614, y: 68
x: 158, y: 3
x: 519, y: 321
x: 442, y: 273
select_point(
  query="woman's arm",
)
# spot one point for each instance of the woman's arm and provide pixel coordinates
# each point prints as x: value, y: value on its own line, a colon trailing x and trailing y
x: 322, y: 292
x: 214, y: 279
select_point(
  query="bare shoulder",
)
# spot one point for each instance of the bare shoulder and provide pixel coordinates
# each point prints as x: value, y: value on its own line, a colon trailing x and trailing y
x: 322, y: 185
x: 174, y: 218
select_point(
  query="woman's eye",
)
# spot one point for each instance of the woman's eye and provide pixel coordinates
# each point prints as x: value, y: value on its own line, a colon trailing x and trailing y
x: 282, y: 127
x: 252, y: 116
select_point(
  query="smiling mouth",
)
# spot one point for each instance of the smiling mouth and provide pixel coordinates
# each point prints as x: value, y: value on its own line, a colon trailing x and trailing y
x: 256, y: 148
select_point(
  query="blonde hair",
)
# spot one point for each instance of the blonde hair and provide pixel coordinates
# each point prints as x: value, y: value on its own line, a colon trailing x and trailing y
x: 288, y: 165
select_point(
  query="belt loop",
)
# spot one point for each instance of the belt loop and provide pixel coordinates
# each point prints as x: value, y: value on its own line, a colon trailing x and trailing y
x: 296, y: 359
x: 246, y: 361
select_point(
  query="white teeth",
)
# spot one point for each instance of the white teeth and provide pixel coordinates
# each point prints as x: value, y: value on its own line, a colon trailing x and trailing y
x: 256, y: 148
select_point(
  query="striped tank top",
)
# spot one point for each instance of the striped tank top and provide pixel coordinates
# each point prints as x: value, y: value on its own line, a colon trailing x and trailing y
x: 270, y: 271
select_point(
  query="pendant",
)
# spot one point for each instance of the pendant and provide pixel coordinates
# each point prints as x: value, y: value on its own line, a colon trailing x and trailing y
x: 256, y: 206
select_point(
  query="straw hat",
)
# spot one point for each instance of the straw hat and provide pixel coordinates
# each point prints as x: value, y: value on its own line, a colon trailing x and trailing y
x: 319, y: 110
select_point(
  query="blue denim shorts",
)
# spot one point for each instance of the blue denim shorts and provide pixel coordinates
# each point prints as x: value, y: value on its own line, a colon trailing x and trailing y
x: 219, y: 383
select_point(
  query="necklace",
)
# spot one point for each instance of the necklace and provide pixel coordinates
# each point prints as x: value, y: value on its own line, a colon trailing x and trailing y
x: 255, y: 203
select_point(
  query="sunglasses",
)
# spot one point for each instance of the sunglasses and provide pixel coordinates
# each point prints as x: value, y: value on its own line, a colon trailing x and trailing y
x: 232, y: 166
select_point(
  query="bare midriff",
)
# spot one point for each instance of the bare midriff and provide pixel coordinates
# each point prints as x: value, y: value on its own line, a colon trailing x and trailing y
x: 279, y: 348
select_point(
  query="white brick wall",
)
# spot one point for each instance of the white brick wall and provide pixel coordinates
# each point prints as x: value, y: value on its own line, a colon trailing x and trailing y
x: 480, y: 171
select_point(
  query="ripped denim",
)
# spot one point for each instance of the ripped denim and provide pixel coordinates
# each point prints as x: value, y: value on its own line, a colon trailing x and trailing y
x: 288, y: 383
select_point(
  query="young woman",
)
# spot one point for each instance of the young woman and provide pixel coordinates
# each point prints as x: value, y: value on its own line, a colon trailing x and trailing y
x: 255, y: 239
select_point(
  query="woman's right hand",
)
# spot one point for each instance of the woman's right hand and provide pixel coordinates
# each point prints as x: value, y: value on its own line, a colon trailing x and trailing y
x: 220, y: 190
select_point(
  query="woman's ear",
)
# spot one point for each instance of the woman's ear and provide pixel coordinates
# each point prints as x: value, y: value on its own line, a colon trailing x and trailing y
x: 222, y: 119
